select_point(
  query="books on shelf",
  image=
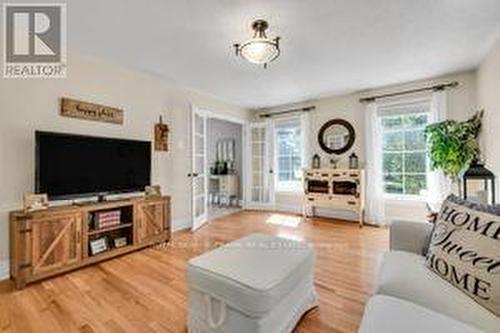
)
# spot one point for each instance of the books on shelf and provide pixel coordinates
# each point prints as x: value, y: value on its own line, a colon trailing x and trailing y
x: 107, y: 219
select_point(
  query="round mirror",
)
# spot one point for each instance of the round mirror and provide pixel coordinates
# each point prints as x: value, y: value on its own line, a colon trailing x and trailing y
x: 336, y: 136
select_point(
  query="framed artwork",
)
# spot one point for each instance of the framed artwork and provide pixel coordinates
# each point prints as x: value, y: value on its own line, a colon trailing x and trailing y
x: 33, y: 202
x: 120, y: 242
x: 98, y: 246
x: 153, y: 191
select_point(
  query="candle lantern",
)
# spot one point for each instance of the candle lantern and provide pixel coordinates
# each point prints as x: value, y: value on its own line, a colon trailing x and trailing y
x: 479, y: 184
x: 353, y: 161
x: 316, y: 163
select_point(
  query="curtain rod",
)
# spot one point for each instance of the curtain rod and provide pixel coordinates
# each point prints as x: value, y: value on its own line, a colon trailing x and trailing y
x: 436, y: 87
x: 304, y: 109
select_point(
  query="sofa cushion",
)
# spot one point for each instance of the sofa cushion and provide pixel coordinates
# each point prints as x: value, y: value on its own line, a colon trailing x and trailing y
x: 254, y: 273
x: 465, y: 250
x: 385, y: 314
x: 404, y: 275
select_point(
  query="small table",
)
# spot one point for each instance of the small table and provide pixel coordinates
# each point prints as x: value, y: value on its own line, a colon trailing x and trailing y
x: 223, y: 189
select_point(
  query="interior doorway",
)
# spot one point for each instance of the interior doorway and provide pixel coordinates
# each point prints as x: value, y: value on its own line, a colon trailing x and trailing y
x: 225, y: 167
x: 218, y: 165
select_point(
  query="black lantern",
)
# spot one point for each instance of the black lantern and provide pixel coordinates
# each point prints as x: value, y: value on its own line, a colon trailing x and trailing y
x: 479, y: 184
x: 353, y: 161
x: 316, y: 162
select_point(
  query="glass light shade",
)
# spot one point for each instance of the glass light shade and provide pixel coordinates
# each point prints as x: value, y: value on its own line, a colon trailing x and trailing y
x: 259, y: 50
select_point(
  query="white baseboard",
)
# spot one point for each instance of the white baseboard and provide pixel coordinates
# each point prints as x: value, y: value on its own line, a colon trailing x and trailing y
x: 4, y: 269
x: 181, y: 224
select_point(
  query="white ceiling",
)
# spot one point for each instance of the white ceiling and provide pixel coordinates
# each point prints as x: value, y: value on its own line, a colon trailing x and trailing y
x: 328, y: 46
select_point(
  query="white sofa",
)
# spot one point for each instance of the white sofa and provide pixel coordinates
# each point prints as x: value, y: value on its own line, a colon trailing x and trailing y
x: 411, y: 298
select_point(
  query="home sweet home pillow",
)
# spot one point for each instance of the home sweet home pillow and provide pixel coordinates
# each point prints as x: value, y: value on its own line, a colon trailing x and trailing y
x: 465, y: 250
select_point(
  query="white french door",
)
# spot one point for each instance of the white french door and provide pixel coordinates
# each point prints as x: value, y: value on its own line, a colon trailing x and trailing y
x: 198, y: 173
x: 261, y: 189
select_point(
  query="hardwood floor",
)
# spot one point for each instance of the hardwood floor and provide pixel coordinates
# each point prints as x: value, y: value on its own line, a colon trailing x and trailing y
x: 146, y: 291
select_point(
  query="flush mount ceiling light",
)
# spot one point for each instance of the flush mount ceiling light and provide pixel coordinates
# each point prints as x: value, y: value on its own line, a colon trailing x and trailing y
x: 260, y: 49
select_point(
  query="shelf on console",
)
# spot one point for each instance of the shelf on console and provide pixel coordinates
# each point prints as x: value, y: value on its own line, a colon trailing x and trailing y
x: 103, y: 230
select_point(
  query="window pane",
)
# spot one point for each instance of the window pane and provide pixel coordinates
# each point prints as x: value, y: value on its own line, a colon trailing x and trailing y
x: 415, y: 162
x: 392, y: 162
x: 289, y: 152
x: 404, y: 147
x: 392, y: 122
x: 415, y: 140
x: 393, y: 141
x: 414, y: 184
x: 284, y: 176
x: 285, y: 143
x: 393, y: 184
x: 284, y: 164
x: 415, y: 120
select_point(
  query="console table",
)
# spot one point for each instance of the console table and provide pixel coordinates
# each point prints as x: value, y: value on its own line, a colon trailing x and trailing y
x: 223, y: 188
x: 335, y: 188
x: 58, y: 239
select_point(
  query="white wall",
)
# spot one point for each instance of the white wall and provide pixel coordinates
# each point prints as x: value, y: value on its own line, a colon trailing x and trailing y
x: 221, y: 130
x: 461, y: 104
x: 489, y: 98
x: 29, y: 105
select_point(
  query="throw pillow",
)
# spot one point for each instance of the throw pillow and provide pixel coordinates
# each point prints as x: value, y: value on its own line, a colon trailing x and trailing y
x: 465, y: 250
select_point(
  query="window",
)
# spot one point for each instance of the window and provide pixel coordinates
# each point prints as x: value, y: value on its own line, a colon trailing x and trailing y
x: 288, y: 143
x: 404, y: 156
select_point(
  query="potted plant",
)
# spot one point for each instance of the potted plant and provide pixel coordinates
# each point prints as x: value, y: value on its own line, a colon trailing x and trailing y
x: 453, y: 145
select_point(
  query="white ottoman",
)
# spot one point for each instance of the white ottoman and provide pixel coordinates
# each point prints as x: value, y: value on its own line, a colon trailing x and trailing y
x: 259, y: 283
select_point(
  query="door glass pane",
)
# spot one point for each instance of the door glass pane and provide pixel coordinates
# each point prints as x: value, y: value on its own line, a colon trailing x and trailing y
x: 199, y: 144
x: 199, y: 186
x: 198, y: 166
x: 258, y: 152
x: 198, y: 124
x: 200, y: 206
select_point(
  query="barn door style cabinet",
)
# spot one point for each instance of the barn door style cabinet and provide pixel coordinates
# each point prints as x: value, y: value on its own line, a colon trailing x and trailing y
x: 60, y: 239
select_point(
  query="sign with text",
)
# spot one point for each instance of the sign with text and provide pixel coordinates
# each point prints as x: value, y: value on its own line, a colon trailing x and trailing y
x: 34, y: 41
x: 90, y: 111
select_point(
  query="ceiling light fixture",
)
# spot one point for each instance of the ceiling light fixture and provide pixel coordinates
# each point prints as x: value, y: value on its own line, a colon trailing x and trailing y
x: 260, y: 49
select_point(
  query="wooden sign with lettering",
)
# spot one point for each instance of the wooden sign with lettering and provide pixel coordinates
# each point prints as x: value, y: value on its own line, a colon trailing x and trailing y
x: 161, y: 136
x: 90, y: 111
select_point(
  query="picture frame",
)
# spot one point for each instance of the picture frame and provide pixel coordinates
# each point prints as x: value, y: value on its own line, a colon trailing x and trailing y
x: 120, y: 242
x: 33, y: 202
x: 99, y: 245
x: 153, y: 191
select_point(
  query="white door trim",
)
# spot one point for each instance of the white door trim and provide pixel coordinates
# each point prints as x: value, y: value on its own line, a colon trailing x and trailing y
x: 244, y: 172
x: 200, y: 220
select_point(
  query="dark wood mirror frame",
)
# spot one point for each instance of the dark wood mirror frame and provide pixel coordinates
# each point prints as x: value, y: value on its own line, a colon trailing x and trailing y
x: 328, y: 124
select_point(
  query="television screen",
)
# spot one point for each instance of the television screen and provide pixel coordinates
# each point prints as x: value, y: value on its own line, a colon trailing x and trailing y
x: 69, y: 166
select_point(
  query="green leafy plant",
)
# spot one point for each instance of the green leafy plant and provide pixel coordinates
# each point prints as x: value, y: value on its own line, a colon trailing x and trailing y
x: 453, y: 145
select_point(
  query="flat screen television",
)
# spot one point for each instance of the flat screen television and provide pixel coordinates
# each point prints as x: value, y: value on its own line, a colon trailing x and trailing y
x: 70, y: 166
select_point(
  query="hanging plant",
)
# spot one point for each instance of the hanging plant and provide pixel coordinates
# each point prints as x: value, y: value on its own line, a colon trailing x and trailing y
x: 453, y: 145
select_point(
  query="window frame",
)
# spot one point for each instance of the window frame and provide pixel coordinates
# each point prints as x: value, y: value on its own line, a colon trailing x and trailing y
x: 287, y: 186
x: 403, y: 152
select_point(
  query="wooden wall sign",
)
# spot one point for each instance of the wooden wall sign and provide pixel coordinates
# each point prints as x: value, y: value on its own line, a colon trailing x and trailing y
x: 90, y: 111
x: 161, y: 136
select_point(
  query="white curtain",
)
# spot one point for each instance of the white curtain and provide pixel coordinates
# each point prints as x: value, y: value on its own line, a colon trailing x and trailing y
x: 305, y: 127
x: 375, y: 208
x: 437, y: 184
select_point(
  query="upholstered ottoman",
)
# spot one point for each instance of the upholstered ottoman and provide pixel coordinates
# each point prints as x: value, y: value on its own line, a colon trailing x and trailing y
x: 259, y: 283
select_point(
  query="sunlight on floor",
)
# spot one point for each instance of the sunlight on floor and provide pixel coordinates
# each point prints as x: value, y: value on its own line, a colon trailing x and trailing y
x: 284, y: 220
